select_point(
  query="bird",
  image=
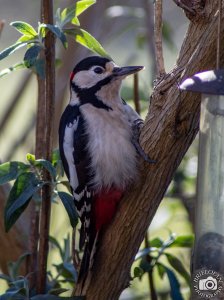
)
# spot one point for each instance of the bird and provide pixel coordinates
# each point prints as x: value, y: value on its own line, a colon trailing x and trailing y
x: 99, y: 147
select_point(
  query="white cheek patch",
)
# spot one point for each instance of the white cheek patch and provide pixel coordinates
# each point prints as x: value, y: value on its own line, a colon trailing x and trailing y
x: 88, y: 78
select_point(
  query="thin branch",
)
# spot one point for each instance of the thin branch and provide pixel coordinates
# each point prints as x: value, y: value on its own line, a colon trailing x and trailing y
x: 47, y: 11
x: 158, y: 8
x: 2, y: 24
x: 150, y: 276
x: 136, y: 94
x: 149, y: 24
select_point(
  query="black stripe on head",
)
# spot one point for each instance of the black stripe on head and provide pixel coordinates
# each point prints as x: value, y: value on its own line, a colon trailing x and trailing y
x: 89, y: 62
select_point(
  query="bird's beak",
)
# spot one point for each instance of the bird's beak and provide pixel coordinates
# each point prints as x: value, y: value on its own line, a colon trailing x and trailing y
x: 125, y: 71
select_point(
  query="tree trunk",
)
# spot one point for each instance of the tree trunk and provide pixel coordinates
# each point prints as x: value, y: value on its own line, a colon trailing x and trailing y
x: 170, y: 127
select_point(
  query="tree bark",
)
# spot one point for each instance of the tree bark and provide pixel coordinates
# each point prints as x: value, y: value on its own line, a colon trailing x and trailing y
x: 170, y: 127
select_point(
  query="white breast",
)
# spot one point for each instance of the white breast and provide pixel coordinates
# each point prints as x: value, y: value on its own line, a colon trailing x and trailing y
x: 113, y: 157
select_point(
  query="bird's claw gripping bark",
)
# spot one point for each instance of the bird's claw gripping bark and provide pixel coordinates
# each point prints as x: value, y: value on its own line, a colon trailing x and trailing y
x: 136, y: 127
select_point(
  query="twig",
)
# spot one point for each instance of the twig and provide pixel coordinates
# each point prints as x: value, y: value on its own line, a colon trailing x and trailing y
x: 47, y: 16
x: 148, y: 8
x: 2, y: 24
x: 158, y: 8
x: 150, y: 277
x: 136, y: 95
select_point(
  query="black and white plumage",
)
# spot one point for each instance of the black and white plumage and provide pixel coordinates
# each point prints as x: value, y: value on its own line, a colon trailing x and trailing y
x: 98, y: 145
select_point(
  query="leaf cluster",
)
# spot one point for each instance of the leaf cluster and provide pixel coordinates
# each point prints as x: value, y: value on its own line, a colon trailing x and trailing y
x: 28, y: 182
x: 19, y: 287
x: 150, y: 261
x: 66, y: 23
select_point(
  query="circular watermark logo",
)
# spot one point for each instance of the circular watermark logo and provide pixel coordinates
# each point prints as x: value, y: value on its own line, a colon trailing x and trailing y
x: 207, y: 284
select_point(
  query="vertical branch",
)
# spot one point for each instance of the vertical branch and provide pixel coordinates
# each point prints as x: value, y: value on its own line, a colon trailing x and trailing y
x: 136, y: 95
x: 2, y: 24
x: 158, y: 8
x: 148, y: 8
x: 39, y: 153
x: 47, y: 17
x: 153, y: 295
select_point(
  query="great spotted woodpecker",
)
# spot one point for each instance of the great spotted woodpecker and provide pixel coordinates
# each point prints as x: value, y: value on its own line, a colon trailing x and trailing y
x: 98, y: 142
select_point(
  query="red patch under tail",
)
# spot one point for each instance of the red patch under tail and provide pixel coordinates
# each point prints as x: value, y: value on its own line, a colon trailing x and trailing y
x: 105, y: 206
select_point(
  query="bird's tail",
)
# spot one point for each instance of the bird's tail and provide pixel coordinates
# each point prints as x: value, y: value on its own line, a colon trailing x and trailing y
x: 87, y: 263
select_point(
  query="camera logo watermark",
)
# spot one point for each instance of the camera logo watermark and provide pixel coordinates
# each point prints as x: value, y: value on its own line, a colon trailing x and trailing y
x: 208, y: 284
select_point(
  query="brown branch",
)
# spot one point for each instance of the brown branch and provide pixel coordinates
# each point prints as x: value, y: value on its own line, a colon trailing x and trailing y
x: 158, y: 9
x: 2, y: 24
x: 136, y: 94
x: 149, y: 23
x: 47, y: 11
x: 123, y: 237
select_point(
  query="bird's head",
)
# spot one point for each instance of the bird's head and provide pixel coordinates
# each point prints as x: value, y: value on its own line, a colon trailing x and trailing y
x: 99, y: 75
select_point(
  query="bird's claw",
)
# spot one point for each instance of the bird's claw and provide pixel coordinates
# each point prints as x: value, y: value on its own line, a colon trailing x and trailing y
x: 136, y: 127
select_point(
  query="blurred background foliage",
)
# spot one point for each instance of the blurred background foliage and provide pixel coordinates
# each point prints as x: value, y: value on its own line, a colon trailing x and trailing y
x: 125, y: 29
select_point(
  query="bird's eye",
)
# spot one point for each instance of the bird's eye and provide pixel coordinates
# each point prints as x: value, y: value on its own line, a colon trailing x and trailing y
x: 98, y: 70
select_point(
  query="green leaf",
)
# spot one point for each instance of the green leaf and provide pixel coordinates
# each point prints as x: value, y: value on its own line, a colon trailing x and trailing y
x: 183, y: 241
x: 70, y: 14
x: 138, y: 272
x: 39, y: 67
x: 67, y: 271
x: 15, y: 294
x: 47, y: 165
x: 6, y: 52
x: 58, y: 33
x: 55, y: 157
x: 156, y: 242
x: 174, y: 284
x: 28, y: 39
x: 31, y: 55
x: 161, y: 269
x: 23, y: 189
x: 14, y: 267
x: 53, y: 297
x: 179, y: 267
x: 87, y: 40
x: 57, y: 291
x: 5, y: 277
x: 15, y: 67
x: 30, y: 158
x: 24, y: 28
x: 67, y: 15
x: 82, y: 5
x: 10, y: 170
x: 69, y: 205
x: 75, y: 21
